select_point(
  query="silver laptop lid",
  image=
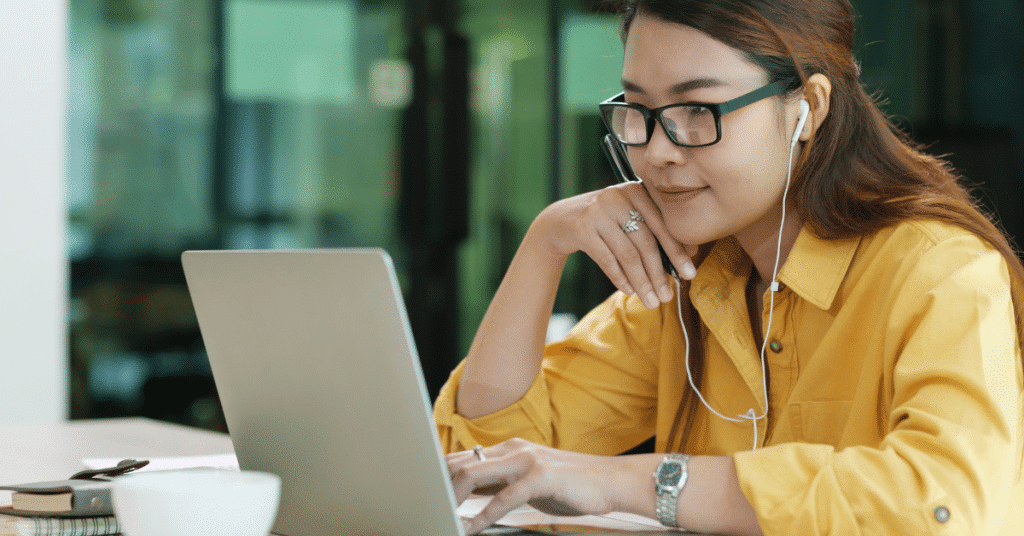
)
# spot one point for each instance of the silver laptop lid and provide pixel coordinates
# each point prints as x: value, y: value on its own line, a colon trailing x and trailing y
x: 320, y: 384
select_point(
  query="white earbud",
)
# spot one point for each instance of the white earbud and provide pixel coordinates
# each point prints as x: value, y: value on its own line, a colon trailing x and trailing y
x: 805, y: 109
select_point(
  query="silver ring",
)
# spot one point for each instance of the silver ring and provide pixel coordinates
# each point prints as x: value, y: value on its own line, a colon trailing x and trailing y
x: 630, y: 225
x: 635, y: 216
x: 479, y: 451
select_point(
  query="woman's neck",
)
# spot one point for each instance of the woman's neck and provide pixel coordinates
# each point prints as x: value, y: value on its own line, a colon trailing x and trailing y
x: 762, y: 242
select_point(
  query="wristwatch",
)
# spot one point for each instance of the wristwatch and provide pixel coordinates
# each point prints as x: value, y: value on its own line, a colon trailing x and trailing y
x: 669, y: 479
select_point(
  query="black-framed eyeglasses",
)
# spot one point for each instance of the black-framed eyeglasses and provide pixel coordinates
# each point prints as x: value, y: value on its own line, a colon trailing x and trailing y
x: 689, y: 124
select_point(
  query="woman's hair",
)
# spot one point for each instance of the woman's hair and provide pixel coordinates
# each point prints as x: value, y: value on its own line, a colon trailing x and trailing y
x: 859, y: 173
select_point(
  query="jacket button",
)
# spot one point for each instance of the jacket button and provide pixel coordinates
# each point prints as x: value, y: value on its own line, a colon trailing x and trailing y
x: 775, y: 345
x: 942, y: 514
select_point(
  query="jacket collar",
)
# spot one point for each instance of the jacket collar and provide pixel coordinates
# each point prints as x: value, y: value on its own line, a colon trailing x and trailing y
x: 814, y: 270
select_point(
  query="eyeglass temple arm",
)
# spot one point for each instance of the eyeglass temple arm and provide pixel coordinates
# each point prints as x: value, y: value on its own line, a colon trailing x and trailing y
x: 775, y: 88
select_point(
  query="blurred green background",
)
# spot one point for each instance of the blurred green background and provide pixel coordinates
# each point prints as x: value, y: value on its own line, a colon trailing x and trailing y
x: 434, y: 129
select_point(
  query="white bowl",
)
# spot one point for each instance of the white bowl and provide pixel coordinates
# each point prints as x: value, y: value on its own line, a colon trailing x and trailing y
x: 196, y: 501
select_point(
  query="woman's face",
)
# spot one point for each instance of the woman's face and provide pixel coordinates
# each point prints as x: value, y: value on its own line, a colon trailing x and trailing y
x: 733, y: 187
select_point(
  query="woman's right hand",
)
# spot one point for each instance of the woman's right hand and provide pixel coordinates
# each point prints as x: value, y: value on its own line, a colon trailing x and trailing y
x: 507, y: 352
x: 596, y: 223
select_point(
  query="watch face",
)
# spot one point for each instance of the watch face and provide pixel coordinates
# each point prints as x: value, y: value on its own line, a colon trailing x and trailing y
x: 670, y: 474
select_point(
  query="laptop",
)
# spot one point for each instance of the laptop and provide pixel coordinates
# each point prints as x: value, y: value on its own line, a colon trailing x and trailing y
x: 319, y: 380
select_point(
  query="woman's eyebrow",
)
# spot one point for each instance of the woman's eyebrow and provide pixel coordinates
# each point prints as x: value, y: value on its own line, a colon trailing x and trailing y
x: 680, y: 88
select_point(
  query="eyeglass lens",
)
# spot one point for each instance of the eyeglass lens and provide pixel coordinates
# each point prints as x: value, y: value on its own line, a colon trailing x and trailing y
x: 687, y: 125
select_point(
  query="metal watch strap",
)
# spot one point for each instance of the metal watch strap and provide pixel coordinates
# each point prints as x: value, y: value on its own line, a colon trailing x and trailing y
x: 668, y: 500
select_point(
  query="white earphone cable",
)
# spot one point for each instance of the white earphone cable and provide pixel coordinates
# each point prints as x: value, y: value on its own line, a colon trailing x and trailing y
x: 750, y: 415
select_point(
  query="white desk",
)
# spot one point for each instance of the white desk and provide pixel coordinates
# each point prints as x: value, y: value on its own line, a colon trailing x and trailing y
x: 55, y: 452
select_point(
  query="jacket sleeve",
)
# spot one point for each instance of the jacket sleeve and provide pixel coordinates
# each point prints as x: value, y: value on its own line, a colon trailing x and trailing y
x: 951, y: 451
x: 596, y: 391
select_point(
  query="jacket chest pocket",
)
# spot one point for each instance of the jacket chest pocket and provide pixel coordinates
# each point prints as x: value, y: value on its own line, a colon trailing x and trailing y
x: 822, y: 422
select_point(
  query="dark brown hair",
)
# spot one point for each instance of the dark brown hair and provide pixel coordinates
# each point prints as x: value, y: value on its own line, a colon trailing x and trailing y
x: 859, y: 173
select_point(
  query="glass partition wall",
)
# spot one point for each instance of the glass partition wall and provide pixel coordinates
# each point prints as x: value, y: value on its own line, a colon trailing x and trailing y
x: 431, y: 129
x: 142, y: 112
x: 435, y: 129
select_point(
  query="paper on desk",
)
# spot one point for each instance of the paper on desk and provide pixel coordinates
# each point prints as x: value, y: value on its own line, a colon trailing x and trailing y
x: 165, y: 463
x: 528, y: 516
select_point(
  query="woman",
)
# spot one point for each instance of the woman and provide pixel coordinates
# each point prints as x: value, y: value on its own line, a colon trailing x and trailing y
x: 840, y: 354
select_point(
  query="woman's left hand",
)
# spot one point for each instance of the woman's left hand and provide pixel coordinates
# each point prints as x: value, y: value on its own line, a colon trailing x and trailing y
x: 554, y: 481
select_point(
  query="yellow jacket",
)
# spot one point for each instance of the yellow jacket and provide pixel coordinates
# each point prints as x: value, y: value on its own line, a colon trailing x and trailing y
x: 896, y: 400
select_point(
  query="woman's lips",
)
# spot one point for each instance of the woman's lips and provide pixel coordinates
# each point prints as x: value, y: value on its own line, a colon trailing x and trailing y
x: 679, y: 195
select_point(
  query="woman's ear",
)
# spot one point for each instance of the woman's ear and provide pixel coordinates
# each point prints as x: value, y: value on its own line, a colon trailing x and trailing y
x: 817, y: 93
